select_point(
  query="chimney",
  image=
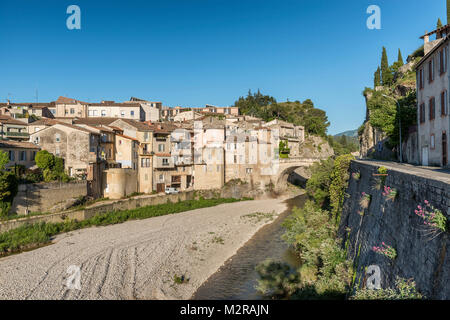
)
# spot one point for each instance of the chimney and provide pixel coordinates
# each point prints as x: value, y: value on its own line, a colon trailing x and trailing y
x: 426, y: 38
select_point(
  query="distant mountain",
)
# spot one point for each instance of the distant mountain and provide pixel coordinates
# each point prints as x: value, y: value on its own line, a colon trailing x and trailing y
x: 349, y: 133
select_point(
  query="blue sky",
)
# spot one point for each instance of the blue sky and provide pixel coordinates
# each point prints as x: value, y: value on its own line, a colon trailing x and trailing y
x: 193, y: 52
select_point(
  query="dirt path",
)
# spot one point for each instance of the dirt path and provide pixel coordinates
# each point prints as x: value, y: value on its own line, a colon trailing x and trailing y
x: 136, y: 259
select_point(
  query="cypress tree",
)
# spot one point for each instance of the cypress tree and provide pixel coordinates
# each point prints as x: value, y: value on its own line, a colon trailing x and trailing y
x: 448, y: 11
x: 377, y: 78
x: 439, y: 24
x: 386, y: 74
x: 400, y: 58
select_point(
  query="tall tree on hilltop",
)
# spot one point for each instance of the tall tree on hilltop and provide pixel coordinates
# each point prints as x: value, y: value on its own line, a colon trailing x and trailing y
x: 386, y: 74
x: 377, y: 78
x: 400, y: 58
x: 439, y: 24
x: 448, y: 11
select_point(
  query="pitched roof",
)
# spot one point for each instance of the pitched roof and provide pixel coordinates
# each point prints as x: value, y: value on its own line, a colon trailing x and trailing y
x: 17, y: 144
x: 127, y: 137
x: 140, y: 126
x: 114, y: 104
x: 95, y: 120
x: 44, y: 122
x: 65, y: 100
x: 8, y: 120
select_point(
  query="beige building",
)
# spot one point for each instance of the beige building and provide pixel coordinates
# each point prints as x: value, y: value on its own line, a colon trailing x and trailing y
x: 19, y: 152
x: 432, y: 98
x: 77, y: 146
x: 222, y: 110
x: 111, y: 109
x: 13, y: 129
x: 70, y: 108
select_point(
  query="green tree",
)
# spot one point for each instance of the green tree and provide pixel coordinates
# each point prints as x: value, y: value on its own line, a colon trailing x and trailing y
x: 44, y: 159
x: 377, y: 78
x: 4, y: 159
x: 439, y: 24
x: 400, y: 58
x: 8, y: 185
x: 339, y: 182
x: 386, y: 72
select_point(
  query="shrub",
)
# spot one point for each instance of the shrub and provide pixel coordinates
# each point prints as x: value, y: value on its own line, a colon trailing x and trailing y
x: 404, y: 290
x: 386, y: 251
x: 431, y: 216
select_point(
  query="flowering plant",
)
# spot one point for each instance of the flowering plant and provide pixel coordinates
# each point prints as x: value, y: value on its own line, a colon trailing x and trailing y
x: 385, y: 250
x: 431, y: 216
x: 389, y: 192
x: 365, y: 200
x: 356, y: 175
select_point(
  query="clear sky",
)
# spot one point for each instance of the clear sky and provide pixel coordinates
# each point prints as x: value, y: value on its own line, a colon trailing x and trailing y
x: 194, y: 52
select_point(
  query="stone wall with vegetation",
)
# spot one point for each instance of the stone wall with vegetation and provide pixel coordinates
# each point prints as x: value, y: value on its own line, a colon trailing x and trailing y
x: 368, y: 220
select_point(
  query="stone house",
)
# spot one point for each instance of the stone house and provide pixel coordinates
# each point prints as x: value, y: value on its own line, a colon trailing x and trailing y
x: 13, y: 129
x: 433, y: 118
x: 70, y: 108
x: 76, y: 145
x: 19, y: 152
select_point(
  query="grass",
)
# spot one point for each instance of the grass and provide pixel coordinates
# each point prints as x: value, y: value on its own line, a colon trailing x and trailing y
x: 34, y: 235
x: 218, y: 240
x: 259, y: 216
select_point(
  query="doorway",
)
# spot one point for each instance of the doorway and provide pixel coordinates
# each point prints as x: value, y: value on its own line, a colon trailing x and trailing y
x: 425, y: 156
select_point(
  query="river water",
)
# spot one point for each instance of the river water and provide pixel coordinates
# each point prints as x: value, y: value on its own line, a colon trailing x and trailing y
x: 237, y: 278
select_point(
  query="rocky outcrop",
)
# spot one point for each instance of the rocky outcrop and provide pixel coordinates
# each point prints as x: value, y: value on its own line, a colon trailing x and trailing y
x: 315, y: 147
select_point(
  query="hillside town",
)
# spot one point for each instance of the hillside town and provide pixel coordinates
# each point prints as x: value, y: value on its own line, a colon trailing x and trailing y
x: 140, y: 146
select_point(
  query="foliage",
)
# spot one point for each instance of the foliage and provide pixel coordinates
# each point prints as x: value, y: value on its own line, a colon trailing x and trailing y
x: 377, y: 78
x: 283, y: 149
x: 385, y: 250
x: 343, y: 144
x: 431, y: 216
x: 386, y: 72
x: 439, y: 24
x: 39, y: 233
x: 4, y: 159
x: 318, y: 185
x: 8, y: 185
x: 400, y: 58
x: 277, y: 280
x: 404, y: 290
x: 339, y: 182
x: 52, y: 166
x: 303, y: 113
x: 390, y: 193
x: 325, y: 271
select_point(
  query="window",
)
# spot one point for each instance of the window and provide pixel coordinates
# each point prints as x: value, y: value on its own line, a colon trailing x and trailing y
x: 11, y: 155
x: 72, y: 111
x: 161, y: 178
x: 145, y: 162
x: 248, y: 170
x: 122, y: 113
x: 432, y: 142
x: 165, y: 162
x: 132, y: 113
x: 443, y: 61
x: 422, y: 113
x: 160, y: 147
x: 23, y: 155
x: 57, y: 137
x: 33, y: 155
x: 36, y: 140
x: 420, y: 80
x: 430, y: 71
x: 432, y: 108
x: 103, y: 113
x: 57, y: 152
x: 444, y: 103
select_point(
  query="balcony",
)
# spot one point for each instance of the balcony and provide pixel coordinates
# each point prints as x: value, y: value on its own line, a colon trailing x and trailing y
x: 10, y: 134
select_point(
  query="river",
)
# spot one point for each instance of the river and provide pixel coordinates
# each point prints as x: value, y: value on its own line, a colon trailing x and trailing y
x: 237, y: 278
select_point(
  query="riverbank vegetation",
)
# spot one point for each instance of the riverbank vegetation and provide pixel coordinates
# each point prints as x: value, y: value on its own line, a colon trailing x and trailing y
x: 34, y: 235
x: 325, y: 272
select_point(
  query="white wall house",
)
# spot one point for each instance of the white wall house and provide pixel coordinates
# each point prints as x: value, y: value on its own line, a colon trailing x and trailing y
x: 433, y: 100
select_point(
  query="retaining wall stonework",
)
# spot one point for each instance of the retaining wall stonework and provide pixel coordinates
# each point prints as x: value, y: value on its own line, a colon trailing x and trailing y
x: 420, y: 257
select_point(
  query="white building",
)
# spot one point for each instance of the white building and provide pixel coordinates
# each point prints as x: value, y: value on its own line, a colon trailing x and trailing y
x: 432, y: 100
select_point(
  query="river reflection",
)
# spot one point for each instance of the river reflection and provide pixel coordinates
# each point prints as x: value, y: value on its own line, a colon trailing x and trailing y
x: 237, y: 278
